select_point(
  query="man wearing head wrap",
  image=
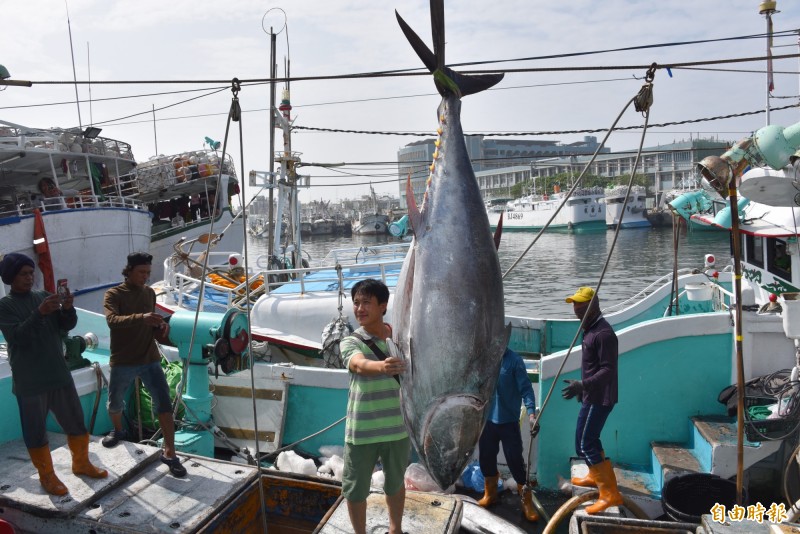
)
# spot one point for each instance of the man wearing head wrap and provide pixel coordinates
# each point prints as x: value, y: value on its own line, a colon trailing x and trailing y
x: 130, y: 313
x: 33, y: 323
x: 597, y: 393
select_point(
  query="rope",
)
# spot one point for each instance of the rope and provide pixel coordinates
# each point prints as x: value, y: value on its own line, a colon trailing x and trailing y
x: 642, y: 102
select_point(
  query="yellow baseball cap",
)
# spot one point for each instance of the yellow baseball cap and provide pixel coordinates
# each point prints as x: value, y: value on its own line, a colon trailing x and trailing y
x: 583, y: 294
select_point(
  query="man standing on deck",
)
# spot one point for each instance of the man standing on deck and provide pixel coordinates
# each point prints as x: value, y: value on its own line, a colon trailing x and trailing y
x: 33, y: 324
x: 129, y: 310
x: 513, y: 386
x: 374, y: 427
x: 597, y: 393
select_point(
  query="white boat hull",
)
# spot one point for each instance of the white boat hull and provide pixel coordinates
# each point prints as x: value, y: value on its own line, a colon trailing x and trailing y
x: 581, y: 212
x: 91, y: 261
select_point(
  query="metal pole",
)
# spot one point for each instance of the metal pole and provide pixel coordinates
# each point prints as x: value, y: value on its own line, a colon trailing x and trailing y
x: 737, y: 278
x: 271, y: 211
x: 155, y: 134
x: 767, y: 8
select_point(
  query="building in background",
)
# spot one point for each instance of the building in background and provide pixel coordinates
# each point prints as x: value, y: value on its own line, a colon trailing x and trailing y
x: 501, y: 164
x: 486, y: 155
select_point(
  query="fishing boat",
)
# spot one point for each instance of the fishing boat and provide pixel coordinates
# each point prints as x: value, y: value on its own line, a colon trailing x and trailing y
x: 634, y: 214
x: 62, y: 199
x: 582, y: 211
x: 290, y: 307
x: 74, y: 192
x: 370, y: 220
x: 189, y: 194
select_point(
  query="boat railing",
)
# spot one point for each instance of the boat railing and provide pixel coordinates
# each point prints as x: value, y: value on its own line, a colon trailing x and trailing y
x: 15, y: 137
x: 184, y: 286
x: 641, y: 295
x: 366, y: 254
x: 10, y: 209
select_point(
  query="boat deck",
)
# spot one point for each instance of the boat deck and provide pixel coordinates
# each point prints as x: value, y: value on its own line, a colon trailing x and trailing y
x: 139, y: 494
x: 424, y: 513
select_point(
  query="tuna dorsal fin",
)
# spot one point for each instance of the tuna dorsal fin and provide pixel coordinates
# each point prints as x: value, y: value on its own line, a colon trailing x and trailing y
x: 498, y: 231
x: 447, y: 80
x: 414, y: 216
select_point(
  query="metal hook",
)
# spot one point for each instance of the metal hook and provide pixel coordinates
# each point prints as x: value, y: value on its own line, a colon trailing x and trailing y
x: 651, y: 73
x: 236, y: 86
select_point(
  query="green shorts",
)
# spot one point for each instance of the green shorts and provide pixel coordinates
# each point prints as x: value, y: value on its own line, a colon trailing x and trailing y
x: 359, y: 463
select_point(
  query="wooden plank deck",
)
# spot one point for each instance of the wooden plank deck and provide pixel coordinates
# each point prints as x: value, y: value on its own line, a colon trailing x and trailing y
x: 138, y: 496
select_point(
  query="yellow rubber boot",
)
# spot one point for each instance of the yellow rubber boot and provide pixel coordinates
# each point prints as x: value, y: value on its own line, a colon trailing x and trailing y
x: 527, y: 503
x: 43, y: 462
x: 489, y: 491
x: 607, y: 484
x: 79, y: 445
x: 588, y: 481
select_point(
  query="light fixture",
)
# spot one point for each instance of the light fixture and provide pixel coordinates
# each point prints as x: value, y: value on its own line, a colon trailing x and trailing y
x: 91, y: 132
x: 4, y: 74
x: 718, y: 171
x: 771, y: 146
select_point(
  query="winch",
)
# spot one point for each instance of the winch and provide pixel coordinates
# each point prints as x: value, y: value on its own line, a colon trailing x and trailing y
x: 216, y: 338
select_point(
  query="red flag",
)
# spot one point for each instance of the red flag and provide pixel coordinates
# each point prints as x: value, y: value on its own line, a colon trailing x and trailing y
x: 42, y: 249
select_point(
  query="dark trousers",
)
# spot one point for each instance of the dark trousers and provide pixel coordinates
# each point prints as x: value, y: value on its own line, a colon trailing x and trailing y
x: 591, y: 419
x: 66, y: 407
x: 489, y: 444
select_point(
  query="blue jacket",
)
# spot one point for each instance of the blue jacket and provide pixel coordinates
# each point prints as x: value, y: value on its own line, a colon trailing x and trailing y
x: 513, y: 386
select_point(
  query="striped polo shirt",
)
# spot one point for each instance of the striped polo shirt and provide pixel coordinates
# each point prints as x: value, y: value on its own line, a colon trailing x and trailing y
x: 373, y: 403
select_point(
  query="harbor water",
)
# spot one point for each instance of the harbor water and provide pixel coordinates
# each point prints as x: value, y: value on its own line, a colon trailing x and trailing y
x: 560, y: 262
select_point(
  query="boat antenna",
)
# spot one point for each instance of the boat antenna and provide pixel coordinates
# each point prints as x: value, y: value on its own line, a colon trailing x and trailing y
x: 273, y: 73
x: 89, y: 68
x: 74, y: 75
x: 155, y: 134
x: 768, y: 8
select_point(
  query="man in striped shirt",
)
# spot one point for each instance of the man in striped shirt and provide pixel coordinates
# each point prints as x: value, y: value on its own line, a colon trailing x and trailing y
x: 374, y: 427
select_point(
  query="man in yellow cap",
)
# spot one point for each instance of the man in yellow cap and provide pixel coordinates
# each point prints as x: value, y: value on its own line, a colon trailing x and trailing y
x: 597, y: 393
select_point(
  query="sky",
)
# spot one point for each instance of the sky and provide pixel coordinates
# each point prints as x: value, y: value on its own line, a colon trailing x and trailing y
x: 200, y: 40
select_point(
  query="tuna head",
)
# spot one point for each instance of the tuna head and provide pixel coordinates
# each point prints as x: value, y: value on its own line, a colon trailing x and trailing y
x: 448, y: 307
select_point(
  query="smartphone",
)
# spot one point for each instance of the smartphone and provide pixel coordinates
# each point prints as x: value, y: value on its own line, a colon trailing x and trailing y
x: 62, y: 289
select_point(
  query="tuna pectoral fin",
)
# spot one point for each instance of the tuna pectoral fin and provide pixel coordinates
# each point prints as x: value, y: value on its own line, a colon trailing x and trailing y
x: 414, y: 215
x: 449, y: 435
x: 498, y: 231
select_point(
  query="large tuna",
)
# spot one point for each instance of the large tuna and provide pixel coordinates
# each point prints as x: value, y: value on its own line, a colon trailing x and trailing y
x: 448, y: 307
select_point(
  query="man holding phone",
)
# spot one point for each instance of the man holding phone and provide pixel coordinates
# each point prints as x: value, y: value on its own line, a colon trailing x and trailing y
x: 34, y: 323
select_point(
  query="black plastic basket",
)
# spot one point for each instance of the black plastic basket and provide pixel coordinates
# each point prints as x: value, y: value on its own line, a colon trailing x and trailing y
x: 687, y: 497
x: 765, y: 429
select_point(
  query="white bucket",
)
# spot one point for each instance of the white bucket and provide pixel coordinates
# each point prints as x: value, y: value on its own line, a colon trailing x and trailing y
x: 791, y: 315
x: 698, y: 292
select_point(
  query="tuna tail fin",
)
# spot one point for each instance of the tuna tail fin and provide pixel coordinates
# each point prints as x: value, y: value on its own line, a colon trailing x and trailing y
x: 447, y: 80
